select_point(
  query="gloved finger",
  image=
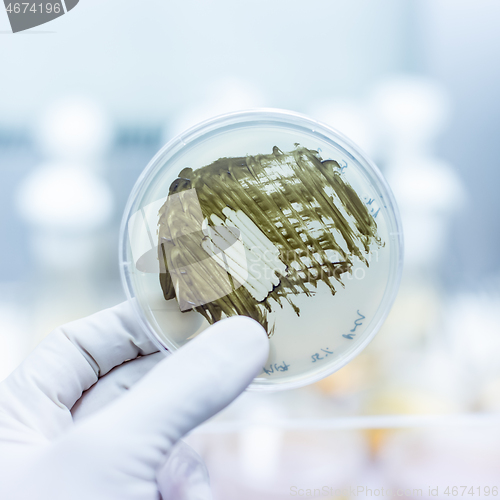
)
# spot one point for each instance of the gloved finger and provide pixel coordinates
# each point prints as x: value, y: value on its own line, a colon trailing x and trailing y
x: 114, y: 384
x: 132, y: 436
x: 184, y: 476
x: 38, y: 396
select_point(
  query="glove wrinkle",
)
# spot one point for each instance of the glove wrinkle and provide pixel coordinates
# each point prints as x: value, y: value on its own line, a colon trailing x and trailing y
x: 84, y: 352
x: 114, y: 384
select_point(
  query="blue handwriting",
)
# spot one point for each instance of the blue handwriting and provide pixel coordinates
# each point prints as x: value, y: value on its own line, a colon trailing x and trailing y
x: 316, y: 357
x: 278, y: 368
x: 357, y: 322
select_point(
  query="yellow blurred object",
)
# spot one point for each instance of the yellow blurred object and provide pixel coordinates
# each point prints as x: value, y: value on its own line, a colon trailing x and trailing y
x: 408, y: 401
x: 402, y: 401
x: 352, y: 378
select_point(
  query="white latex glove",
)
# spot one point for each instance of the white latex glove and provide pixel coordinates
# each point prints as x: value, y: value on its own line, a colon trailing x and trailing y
x: 120, y: 451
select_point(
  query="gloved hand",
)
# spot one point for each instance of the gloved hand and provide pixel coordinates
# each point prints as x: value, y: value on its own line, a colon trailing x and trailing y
x: 119, y: 451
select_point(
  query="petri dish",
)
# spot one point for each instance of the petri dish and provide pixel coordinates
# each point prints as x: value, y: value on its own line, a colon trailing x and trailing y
x: 269, y: 214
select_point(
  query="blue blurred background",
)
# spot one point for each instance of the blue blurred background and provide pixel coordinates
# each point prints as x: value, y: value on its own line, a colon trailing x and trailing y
x: 87, y: 100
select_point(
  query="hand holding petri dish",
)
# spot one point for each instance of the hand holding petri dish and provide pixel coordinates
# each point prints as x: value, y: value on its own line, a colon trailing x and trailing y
x: 270, y: 215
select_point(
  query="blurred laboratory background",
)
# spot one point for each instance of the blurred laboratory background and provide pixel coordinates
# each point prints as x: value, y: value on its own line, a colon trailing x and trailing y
x: 87, y: 100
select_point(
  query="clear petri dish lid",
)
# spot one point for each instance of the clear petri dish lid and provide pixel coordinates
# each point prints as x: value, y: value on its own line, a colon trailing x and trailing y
x: 272, y: 215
